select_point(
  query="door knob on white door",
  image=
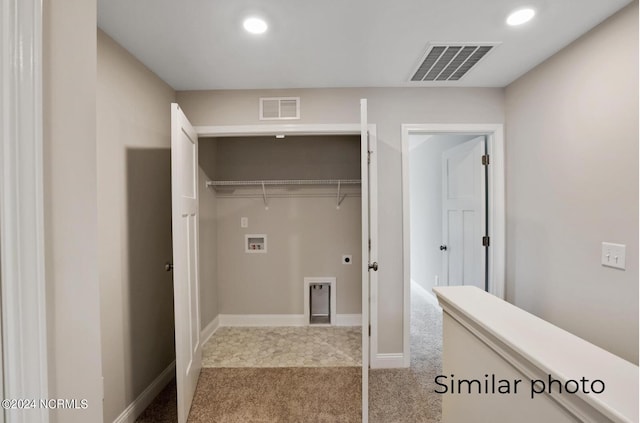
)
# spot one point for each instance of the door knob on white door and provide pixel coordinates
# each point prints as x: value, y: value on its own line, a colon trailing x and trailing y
x: 443, y: 248
x: 374, y: 266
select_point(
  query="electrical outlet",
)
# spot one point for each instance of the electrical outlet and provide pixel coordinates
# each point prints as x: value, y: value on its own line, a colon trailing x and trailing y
x: 436, y: 281
x: 614, y: 255
x: 244, y: 222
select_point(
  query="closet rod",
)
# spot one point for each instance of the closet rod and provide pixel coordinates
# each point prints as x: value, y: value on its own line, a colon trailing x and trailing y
x: 285, y: 182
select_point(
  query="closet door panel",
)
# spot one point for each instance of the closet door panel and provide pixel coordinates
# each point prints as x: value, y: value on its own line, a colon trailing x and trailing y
x: 184, y: 196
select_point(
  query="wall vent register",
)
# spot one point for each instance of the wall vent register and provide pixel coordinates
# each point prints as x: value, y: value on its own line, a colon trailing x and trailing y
x: 279, y: 108
x: 450, y: 62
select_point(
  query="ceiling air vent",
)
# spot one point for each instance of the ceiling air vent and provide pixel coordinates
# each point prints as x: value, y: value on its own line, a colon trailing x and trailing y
x: 450, y: 62
x: 279, y: 108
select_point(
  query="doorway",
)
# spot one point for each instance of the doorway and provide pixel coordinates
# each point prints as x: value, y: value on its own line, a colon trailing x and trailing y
x: 185, y: 137
x: 453, y: 211
x: 447, y: 210
x: 280, y: 237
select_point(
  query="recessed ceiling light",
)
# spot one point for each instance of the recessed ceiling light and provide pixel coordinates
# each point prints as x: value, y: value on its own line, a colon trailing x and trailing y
x: 255, y: 25
x: 520, y: 16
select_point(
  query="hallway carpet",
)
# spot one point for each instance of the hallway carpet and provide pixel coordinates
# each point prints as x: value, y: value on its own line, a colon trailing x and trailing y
x: 163, y: 409
x: 407, y: 395
x: 266, y: 395
x: 269, y: 395
x: 277, y: 395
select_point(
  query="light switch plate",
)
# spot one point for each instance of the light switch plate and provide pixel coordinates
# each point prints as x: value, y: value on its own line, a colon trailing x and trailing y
x: 614, y: 255
x: 244, y: 222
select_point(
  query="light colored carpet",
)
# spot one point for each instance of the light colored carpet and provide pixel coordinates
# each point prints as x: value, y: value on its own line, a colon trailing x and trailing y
x: 296, y: 394
x: 306, y: 346
x: 266, y: 395
x: 407, y: 395
x: 164, y: 408
x: 278, y: 395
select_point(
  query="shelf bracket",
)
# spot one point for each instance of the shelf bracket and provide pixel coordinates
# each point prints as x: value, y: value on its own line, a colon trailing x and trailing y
x: 339, y: 199
x: 264, y: 197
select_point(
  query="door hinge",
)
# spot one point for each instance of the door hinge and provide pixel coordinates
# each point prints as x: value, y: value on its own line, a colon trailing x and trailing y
x: 485, y: 160
x: 485, y: 241
x: 369, y: 244
x: 369, y: 330
x: 369, y: 156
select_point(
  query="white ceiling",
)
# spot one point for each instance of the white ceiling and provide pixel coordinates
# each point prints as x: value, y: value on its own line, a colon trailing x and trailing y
x: 200, y: 44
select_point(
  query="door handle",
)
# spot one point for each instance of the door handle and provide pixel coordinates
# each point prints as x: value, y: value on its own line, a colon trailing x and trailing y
x: 374, y: 266
x: 168, y: 266
x: 443, y: 248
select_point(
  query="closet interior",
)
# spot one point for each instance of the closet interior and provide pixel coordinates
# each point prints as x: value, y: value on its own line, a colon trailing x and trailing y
x: 280, y: 250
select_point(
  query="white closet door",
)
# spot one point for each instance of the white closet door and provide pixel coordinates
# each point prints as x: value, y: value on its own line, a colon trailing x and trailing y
x: 184, y: 202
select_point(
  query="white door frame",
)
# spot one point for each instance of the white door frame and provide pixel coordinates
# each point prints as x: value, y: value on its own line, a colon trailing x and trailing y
x: 24, y: 325
x: 369, y: 316
x: 495, y: 206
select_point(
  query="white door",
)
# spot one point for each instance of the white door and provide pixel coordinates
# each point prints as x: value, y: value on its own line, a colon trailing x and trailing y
x: 464, y: 214
x: 184, y: 203
x: 369, y: 245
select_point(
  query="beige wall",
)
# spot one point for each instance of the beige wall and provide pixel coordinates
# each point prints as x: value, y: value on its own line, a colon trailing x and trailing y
x: 305, y: 237
x: 300, y: 157
x: 572, y: 183
x: 71, y: 226
x: 134, y: 217
x: 388, y: 108
x: 208, y: 234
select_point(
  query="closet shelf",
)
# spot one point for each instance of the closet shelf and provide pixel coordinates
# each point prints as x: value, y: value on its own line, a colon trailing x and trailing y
x: 284, y: 182
x: 300, y: 182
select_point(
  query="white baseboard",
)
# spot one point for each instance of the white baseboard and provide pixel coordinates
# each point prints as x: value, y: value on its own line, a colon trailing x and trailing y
x: 131, y: 413
x: 388, y: 361
x: 261, y: 319
x: 349, y: 320
x: 240, y: 320
x: 209, y: 330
